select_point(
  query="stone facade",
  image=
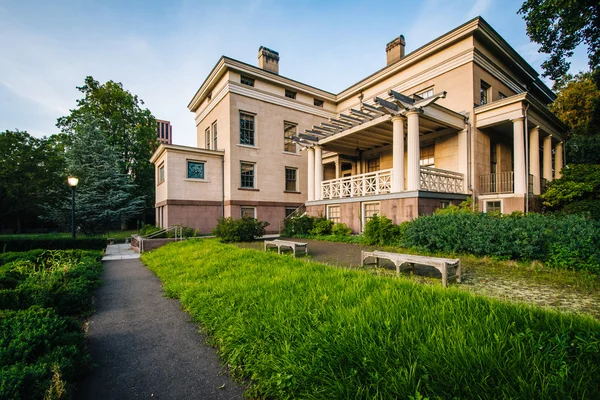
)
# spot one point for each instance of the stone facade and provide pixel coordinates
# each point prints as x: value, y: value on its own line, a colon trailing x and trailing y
x: 463, y: 115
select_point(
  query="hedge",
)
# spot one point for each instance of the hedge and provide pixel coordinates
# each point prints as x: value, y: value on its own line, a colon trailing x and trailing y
x: 17, y: 243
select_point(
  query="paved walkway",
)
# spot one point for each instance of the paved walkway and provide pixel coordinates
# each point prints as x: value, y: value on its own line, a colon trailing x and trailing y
x: 145, y: 345
x: 119, y: 252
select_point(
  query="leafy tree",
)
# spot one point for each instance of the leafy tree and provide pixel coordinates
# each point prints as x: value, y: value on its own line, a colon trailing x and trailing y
x: 127, y: 127
x: 30, y: 170
x: 578, y: 191
x: 105, y: 195
x: 575, y: 101
x: 559, y: 26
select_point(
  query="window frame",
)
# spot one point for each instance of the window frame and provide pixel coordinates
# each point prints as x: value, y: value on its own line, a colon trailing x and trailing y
x: 487, y: 204
x: 445, y: 204
x: 336, y: 219
x: 364, y: 217
x: 287, y: 139
x: 242, y: 128
x: 501, y: 96
x: 484, y: 93
x: 374, y: 164
x: 290, y: 94
x: 428, y: 161
x: 253, y: 164
x: 187, y: 170
x: 295, y: 170
x: 214, y: 135
x: 253, y: 208
x: 248, y: 80
x: 422, y: 92
x: 161, y: 174
x: 207, y: 138
x: 319, y: 102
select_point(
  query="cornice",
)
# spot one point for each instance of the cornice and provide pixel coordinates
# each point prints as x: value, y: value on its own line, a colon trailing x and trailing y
x: 163, y: 148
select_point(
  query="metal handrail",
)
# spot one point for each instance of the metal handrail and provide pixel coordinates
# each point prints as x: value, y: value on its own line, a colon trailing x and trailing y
x: 177, y: 230
x: 297, y: 212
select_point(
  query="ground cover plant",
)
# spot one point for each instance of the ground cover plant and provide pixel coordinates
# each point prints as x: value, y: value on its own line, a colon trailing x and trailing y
x: 301, y: 329
x: 59, y: 241
x: 43, y: 296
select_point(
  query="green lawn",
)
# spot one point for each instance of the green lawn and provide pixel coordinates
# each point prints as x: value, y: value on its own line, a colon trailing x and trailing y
x: 117, y: 235
x: 300, y: 329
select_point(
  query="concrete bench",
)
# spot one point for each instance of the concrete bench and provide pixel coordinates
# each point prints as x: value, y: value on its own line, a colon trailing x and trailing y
x: 441, y: 264
x: 286, y: 243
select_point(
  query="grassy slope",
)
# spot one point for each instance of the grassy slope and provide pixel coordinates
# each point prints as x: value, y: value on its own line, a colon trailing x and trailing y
x: 306, y: 330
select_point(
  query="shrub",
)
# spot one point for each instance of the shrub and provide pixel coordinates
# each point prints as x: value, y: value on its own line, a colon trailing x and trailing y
x: 379, y: 231
x: 186, y: 231
x: 18, y: 244
x: 239, y: 230
x: 148, y: 229
x: 321, y: 227
x: 341, y: 229
x: 298, y: 225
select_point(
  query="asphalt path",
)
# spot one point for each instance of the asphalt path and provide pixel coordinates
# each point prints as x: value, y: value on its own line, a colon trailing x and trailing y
x: 145, y: 346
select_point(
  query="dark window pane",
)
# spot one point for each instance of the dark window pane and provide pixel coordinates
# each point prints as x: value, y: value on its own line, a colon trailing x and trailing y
x: 290, y: 180
x: 247, y: 129
x: 247, y: 175
x: 289, y: 130
x: 195, y: 170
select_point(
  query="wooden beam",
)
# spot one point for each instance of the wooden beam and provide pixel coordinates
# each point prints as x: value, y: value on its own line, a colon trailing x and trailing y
x: 309, y: 137
x: 361, y: 114
x: 315, y: 133
x: 393, y: 108
x: 372, y: 109
x: 357, y: 128
x: 342, y: 123
x: 324, y: 130
x: 356, y: 121
x: 401, y: 98
x: 332, y: 127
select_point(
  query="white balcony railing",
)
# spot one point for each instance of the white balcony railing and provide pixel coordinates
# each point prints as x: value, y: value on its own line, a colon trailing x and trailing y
x: 440, y: 180
x: 378, y: 182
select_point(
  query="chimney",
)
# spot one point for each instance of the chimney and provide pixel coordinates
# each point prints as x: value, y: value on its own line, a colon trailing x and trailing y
x: 394, y: 50
x: 268, y: 60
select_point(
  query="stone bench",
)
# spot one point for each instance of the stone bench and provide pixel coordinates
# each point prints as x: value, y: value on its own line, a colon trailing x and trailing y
x: 286, y: 243
x: 441, y: 264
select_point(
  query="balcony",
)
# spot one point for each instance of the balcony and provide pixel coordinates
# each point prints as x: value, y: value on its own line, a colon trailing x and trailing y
x: 380, y: 182
x: 502, y: 182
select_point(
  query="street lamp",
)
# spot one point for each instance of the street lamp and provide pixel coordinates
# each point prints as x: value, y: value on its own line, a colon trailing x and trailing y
x: 73, y: 181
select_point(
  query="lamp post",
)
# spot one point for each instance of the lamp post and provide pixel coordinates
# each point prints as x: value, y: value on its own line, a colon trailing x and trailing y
x: 73, y: 181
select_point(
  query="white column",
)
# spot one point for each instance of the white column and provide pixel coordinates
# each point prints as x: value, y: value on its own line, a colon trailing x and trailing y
x: 398, y: 155
x: 414, y: 152
x: 519, y: 155
x: 558, y: 160
x: 463, y: 162
x: 338, y: 167
x: 534, y: 158
x: 311, y: 174
x: 318, y: 172
x: 548, y: 158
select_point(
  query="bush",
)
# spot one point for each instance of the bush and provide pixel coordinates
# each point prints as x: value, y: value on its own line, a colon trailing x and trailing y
x: 379, y: 231
x: 298, y: 225
x: 16, y: 244
x: 239, y: 230
x: 321, y: 227
x: 186, y: 231
x: 341, y: 229
x: 148, y: 229
x: 34, y: 345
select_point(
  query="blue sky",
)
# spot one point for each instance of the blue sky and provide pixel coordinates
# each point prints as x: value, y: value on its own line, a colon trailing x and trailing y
x: 162, y: 51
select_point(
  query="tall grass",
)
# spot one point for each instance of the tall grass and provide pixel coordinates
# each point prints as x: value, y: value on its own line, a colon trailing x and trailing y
x: 300, y: 329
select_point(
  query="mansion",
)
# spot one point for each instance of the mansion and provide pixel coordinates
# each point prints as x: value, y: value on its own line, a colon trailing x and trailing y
x: 462, y: 116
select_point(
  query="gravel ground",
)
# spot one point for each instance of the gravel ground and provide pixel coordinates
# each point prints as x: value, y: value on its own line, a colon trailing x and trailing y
x: 146, y: 346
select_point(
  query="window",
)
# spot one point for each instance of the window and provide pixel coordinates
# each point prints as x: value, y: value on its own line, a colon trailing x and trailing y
x: 319, y: 103
x: 214, y: 135
x: 248, y: 212
x: 289, y: 211
x: 369, y: 210
x: 484, y: 92
x: 161, y: 174
x: 289, y: 130
x: 247, y: 81
x: 290, y: 94
x: 290, y: 179
x: 195, y: 170
x: 247, y: 175
x: 501, y: 95
x: 373, y: 165
x: 247, y: 129
x: 444, y: 204
x: 207, y: 138
x: 426, y: 93
x: 427, y: 159
x: 333, y: 214
x: 493, y: 206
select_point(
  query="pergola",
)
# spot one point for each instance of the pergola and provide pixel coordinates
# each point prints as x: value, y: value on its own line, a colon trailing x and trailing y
x: 379, y: 124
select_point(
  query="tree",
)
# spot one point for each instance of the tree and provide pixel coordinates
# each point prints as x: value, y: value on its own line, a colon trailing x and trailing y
x: 575, y: 101
x: 128, y: 128
x: 105, y: 194
x: 559, y: 26
x: 30, y: 170
x: 578, y: 191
